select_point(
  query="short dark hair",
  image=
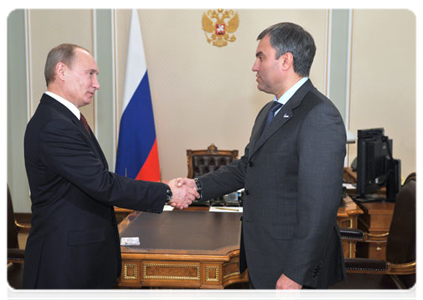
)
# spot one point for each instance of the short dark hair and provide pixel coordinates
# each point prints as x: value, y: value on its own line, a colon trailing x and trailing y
x: 289, y: 37
x: 64, y: 53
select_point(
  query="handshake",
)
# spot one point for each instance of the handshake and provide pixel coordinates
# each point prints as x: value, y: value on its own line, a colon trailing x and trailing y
x: 184, y: 191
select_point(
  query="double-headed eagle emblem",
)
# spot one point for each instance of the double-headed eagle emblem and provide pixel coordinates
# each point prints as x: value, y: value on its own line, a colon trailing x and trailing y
x: 219, y: 26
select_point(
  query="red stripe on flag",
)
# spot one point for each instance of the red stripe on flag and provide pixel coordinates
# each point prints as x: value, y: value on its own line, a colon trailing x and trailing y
x: 150, y: 171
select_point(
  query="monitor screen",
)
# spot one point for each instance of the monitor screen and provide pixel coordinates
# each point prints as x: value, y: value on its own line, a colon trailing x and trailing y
x: 376, y: 168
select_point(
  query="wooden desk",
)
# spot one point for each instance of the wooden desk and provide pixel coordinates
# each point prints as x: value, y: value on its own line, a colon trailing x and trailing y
x: 121, y: 213
x: 182, y: 249
x: 186, y: 249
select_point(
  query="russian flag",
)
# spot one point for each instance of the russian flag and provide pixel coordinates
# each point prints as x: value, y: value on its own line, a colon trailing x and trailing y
x: 137, y: 153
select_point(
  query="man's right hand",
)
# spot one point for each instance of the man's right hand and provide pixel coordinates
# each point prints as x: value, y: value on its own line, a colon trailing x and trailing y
x: 183, y: 192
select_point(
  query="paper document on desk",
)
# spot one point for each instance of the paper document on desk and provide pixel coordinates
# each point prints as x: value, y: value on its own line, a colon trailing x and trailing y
x: 167, y: 208
x: 348, y: 186
x: 226, y: 209
x: 130, y: 241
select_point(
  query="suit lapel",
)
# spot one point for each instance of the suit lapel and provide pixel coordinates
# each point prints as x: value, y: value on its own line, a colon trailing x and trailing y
x: 284, y: 115
x: 46, y: 99
x: 258, y: 127
x: 98, y: 150
x: 92, y: 141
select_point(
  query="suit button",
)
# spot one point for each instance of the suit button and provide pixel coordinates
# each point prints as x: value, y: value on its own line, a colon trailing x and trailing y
x: 247, y: 192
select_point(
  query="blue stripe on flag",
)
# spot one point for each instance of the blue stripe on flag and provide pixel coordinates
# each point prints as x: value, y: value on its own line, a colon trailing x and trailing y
x: 137, y: 132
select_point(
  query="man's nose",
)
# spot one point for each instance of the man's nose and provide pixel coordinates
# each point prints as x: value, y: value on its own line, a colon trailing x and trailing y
x: 96, y: 84
x: 255, y: 67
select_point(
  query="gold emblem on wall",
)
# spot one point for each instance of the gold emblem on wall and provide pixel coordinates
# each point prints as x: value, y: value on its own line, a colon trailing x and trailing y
x: 219, y: 26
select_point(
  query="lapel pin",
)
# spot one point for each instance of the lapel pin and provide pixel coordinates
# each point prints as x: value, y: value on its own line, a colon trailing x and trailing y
x: 286, y: 116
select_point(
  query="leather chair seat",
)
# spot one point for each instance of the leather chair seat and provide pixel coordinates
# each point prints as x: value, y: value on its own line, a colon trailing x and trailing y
x: 366, y: 287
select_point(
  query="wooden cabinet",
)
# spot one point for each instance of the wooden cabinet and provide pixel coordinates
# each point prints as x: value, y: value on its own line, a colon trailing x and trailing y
x: 376, y: 220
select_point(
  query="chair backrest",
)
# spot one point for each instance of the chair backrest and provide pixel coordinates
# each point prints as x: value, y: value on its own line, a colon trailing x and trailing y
x: 401, y: 245
x: 12, y: 230
x: 201, y: 162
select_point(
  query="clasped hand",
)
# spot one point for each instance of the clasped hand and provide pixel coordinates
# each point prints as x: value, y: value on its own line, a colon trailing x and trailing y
x: 184, y: 191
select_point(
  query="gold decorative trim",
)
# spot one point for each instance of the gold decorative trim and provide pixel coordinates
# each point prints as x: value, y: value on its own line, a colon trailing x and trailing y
x: 145, y: 276
x: 125, y: 272
x: 376, y: 235
x: 235, y: 262
x: 208, y: 268
x: 232, y: 274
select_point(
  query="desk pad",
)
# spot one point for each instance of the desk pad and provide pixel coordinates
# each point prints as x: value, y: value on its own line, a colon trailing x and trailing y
x: 184, y: 230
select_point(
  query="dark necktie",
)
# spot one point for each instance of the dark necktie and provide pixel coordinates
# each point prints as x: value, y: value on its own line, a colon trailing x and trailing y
x: 85, y: 124
x: 271, y: 114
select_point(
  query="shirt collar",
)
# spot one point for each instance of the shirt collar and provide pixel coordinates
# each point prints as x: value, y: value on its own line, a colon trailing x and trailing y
x: 66, y: 103
x: 289, y: 93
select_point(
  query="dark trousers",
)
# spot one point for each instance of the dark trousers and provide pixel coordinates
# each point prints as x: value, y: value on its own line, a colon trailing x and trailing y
x: 95, y: 297
x: 255, y: 295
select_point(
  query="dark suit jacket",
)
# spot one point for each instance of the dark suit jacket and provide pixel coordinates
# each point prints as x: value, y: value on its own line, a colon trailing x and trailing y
x: 292, y: 174
x: 74, y: 241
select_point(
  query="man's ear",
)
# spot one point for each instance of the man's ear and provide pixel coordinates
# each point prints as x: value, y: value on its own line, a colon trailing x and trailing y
x: 287, y: 61
x: 61, y: 70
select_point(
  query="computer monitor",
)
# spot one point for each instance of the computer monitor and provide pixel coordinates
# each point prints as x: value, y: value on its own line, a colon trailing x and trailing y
x: 376, y: 167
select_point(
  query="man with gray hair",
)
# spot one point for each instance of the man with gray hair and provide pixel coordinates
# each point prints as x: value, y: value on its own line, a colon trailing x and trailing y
x: 292, y: 172
x: 74, y: 240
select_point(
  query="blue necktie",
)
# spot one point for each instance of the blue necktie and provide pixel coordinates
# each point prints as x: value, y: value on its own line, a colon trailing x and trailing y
x: 271, y: 114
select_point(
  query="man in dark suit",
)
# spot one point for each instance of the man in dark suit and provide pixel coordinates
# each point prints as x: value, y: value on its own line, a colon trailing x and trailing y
x: 74, y: 241
x: 291, y: 171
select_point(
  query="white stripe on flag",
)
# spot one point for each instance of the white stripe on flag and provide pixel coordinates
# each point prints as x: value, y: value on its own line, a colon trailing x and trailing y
x: 136, y: 64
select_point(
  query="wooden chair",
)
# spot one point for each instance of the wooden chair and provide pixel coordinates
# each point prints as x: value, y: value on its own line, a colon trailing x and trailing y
x: 399, y: 269
x: 15, y: 255
x: 204, y: 161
